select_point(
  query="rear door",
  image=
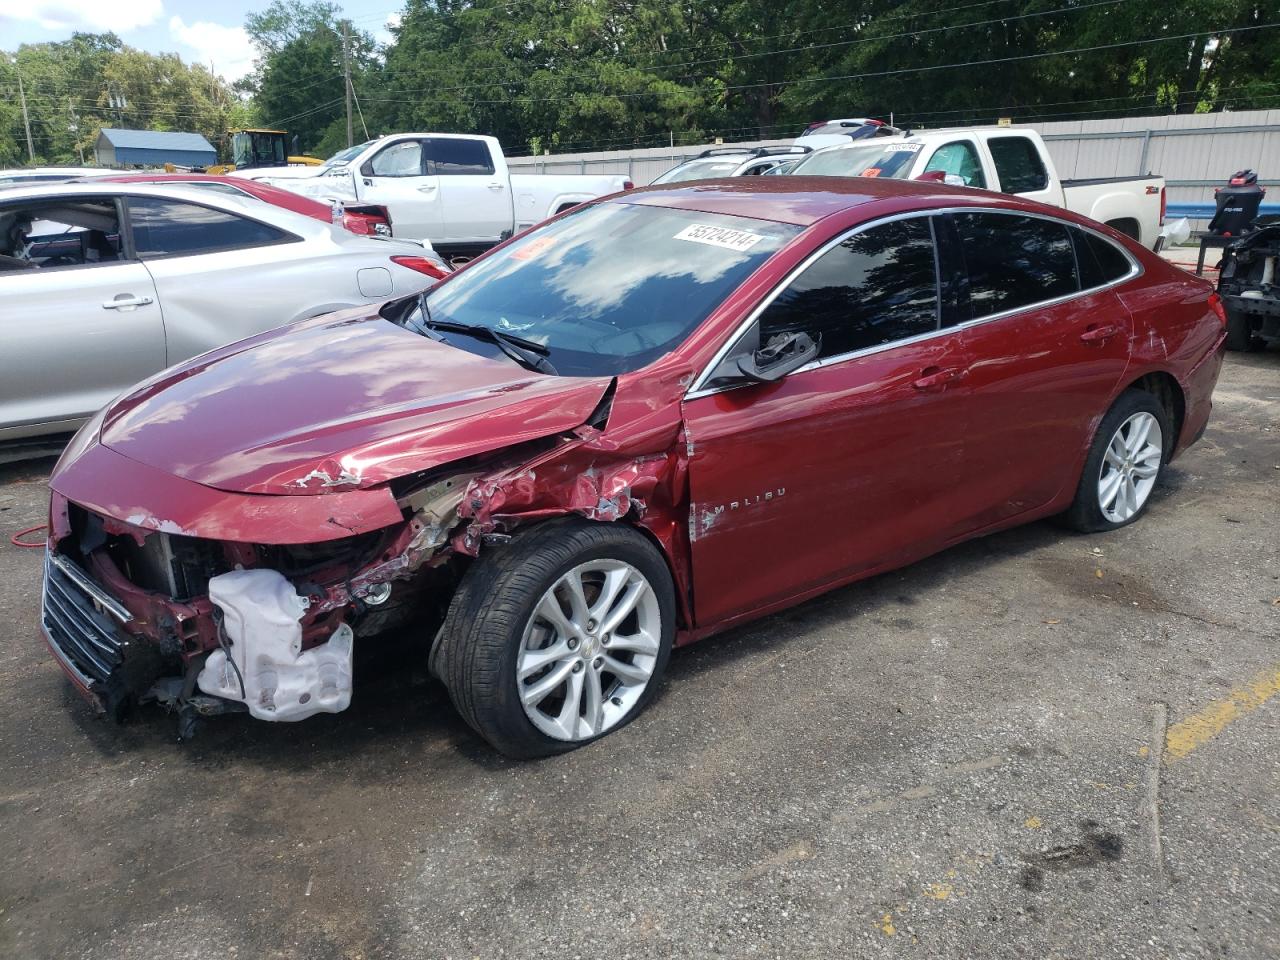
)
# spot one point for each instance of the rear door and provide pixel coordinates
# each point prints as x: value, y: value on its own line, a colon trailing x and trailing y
x: 398, y: 177
x: 847, y: 464
x: 1046, y: 356
x: 477, y: 197
x: 80, y: 326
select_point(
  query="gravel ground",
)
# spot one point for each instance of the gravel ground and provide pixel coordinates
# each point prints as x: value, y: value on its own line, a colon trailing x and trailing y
x: 1033, y: 745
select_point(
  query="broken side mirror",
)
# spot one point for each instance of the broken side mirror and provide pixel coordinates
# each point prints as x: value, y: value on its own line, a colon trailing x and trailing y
x: 783, y: 354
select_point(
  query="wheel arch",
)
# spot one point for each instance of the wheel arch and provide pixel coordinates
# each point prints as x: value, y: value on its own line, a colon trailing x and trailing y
x: 1164, y: 387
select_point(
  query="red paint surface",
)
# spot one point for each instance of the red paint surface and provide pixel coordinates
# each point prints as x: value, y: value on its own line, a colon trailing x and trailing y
x: 295, y: 435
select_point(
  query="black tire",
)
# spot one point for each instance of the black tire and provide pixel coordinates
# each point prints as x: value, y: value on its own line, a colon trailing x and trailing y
x: 1085, y: 513
x: 476, y: 650
x: 1240, y: 335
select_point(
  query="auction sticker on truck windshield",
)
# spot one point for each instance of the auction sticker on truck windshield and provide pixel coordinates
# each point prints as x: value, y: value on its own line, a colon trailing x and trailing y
x: 719, y: 236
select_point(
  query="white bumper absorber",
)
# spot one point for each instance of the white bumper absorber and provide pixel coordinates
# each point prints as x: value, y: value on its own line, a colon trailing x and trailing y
x: 260, y: 612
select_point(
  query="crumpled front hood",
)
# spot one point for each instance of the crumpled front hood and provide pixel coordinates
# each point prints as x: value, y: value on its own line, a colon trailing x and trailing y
x: 339, y: 402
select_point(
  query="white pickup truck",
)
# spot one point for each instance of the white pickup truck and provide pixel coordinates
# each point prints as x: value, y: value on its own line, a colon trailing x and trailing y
x: 1006, y: 159
x: 452, y: 189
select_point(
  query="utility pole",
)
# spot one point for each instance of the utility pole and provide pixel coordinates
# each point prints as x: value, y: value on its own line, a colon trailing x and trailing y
x: 26, y: 120
x: 74, y: 127
x: 346, y: 77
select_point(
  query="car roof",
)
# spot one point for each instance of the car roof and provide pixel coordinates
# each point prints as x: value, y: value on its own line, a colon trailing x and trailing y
x: 801, y: 201
x: 246, y: 205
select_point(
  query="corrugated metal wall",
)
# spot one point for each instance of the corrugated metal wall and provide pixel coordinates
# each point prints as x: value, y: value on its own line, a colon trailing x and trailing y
x: 1194, y: 152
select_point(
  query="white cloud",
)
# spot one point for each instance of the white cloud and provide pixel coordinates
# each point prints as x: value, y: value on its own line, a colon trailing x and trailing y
x: 227, y: 47
x: 383, y: 34
x: 95, y: 15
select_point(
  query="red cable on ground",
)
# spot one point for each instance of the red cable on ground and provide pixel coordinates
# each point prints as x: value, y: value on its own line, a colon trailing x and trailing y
x: 17, y: 540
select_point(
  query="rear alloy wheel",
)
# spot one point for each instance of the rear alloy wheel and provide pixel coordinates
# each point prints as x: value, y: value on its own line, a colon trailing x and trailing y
x: 1124, y: 464
x: 558, y: 637
x: 1130, y: 466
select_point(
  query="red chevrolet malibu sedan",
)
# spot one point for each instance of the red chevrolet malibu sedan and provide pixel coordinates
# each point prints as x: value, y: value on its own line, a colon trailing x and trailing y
x: 652, y: 418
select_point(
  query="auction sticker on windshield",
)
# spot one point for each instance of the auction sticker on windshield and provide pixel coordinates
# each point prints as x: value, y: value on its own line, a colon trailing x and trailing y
x: 719, y: 236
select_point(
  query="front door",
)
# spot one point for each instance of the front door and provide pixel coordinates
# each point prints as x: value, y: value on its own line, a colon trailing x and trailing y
x: 79, y: 322
x: 398, y: 178
x: 846, y: 465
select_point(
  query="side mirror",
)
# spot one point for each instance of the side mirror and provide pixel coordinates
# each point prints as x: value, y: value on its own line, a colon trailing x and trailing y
x: 783, y: 354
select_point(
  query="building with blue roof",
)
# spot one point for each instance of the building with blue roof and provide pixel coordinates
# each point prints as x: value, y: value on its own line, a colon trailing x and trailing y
x: 152, y: 148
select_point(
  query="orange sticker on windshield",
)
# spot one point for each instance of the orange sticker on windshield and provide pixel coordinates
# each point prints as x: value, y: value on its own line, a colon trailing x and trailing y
x: 532, y: 248
x: 870, y: 172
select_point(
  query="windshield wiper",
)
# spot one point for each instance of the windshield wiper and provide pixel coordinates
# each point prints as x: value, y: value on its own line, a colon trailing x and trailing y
x: 530, y: 355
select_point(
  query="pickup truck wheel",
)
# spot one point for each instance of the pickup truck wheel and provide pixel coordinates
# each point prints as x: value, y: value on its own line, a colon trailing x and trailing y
x: 1240, y: 335
x: 1124, y: 463
x: 558, y: 637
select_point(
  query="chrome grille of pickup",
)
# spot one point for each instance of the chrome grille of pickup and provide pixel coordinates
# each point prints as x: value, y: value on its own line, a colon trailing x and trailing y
x: 82, y: 634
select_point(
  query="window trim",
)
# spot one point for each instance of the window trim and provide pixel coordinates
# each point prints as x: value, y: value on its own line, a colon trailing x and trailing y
x: 698, y: 388
x: 288, y: 235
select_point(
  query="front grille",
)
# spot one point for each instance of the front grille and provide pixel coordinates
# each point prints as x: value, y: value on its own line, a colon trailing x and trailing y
x: 76, y: 619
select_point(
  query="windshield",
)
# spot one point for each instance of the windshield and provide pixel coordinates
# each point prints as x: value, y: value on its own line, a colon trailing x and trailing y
x: 700, y: 170
x: 607, y: 289
x: 871, y: 160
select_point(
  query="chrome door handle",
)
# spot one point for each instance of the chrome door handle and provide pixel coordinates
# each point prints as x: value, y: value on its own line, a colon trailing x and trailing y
x: 125, y: 301
x: 496, y: 185
x: 430, y: 189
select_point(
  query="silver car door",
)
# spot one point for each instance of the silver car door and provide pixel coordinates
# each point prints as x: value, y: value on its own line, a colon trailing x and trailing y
x: 75, y: 334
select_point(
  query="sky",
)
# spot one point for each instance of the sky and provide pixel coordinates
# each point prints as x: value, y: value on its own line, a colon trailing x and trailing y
x: 197, y: 30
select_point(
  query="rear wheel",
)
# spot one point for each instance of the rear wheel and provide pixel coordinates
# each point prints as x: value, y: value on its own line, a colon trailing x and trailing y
x: 1124, y: 464
x: 558, y: 637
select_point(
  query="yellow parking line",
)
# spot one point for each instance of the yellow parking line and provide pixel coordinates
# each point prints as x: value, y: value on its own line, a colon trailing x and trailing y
x: 1186, y: 735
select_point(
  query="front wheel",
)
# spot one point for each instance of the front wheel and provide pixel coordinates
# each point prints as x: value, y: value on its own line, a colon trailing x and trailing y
x: 1124, y: 464
x: 558, y: 637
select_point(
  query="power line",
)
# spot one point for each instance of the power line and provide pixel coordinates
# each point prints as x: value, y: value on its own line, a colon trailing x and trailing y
x: 875, y: 74
x: 784, y: 50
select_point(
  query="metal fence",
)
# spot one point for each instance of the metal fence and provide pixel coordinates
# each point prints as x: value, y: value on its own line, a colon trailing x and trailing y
x: 1193, y: 152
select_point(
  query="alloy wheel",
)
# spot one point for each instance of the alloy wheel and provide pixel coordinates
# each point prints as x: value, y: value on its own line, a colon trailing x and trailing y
x: 1130, y: 467
x: 589, y: 650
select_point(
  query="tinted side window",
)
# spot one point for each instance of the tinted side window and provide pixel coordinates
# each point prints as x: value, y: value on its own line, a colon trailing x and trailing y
x: 1111, y: 264
x: 169, y: 227
x: 402, y: 159
x: 459, y: 157
x: 1014, y: 261
x: 875, y: 287
x: 1018, y: 164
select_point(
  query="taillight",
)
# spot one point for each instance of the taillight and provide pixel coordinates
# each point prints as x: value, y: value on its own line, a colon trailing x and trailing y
x: 423, y: 265
x: 1164, y: 203
x: 628, y: 185
x: 357, y: 223
x: 1219, y: 308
